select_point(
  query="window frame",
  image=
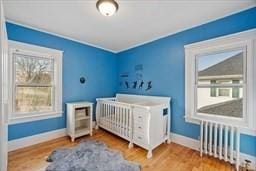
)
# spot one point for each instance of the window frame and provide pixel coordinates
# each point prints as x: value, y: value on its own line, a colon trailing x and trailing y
x: 37, y: 52
x: 240, y: 40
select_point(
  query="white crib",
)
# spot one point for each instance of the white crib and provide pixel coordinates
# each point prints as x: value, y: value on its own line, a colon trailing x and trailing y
x: 143, y: 120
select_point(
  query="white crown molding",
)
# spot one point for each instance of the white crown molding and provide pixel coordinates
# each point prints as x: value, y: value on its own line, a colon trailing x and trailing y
x: 61, y: 36
x: 181, y: 30
x: 130, y: 47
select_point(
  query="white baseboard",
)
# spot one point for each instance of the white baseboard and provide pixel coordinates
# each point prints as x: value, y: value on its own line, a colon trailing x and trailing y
x: 35, y: 139
x: 38, y: 138
x: 47, y: 136
x: 195, y: 144
x: 185, y: 141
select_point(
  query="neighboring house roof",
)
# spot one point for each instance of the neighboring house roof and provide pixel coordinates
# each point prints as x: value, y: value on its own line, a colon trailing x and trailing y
x: 229, y: 108
x: 230, y: 66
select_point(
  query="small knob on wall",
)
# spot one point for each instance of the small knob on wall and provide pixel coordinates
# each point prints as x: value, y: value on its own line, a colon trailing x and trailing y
x: 82, y: 80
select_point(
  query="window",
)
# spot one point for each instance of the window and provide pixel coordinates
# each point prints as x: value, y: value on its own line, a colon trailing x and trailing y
x: 36, y: 82
x: 215, y: 98
x: 220, y: 76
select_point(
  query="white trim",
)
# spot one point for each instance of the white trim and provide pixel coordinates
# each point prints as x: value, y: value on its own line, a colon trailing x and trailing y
x: 35, y: 139
x: 43, y: 52
x: 234, y: 41
x: 239, y: 36
x: 38, y: 138
x: 24, y: 119
x: 195, y: 145
x: 185, y: 141
x: 3, y: 91
x: 242, y: 130
x: 39, y: 49
x: 61, y: 36
x: 181, y: 30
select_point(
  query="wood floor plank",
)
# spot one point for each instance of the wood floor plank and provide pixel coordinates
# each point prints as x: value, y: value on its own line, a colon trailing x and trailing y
x: 167, y: 157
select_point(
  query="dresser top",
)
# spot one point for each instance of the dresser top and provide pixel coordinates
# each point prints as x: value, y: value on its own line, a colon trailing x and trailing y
x: 80, y: 103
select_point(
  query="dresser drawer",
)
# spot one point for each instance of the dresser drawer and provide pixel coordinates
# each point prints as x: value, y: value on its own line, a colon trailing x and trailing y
x: 140, y: 138
x: 140, y: 116
x: 140, y: 127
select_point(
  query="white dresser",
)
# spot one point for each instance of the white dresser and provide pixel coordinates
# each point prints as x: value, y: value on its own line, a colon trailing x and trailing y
x: 79, y: 119
x: 150, y: 125
x: 142, y: 120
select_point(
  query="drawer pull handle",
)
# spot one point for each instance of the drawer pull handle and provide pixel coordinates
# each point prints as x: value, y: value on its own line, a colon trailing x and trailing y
x: 139, y: 127
x: 140, y: 138
x: 139, y: 117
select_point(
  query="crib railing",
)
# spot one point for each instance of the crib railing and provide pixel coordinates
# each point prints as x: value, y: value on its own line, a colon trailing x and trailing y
x: 115, y: 117
x: 220, y: 141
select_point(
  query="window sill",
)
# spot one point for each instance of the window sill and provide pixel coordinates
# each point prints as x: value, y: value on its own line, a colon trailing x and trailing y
x: 30, y: 118
x: 246, y: 131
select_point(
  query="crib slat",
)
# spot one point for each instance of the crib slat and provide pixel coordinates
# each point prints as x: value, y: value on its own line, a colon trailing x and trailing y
x: 104, y: 113
x: 124, y: 121
x: 113, y: 116
x: 226, y: 144
x: 220, y: 141
x: 115, y: 120
x: 127, y: 122
x: 231, y: 145
x: 130, y: 123
x: 205, y: 137
x: 210, y: 140
x: 121, y: 120
x: 108, y: 115
x: 201, y: 138
x: 215, y: 139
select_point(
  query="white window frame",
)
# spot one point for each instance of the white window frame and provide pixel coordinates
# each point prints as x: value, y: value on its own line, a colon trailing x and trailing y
x: 41, y: 52
x: 247, y: 40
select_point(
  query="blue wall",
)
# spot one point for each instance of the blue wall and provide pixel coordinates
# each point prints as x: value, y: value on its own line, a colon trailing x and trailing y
x: 163, y: 64
x: 98, y: 66
x: 164, y: 61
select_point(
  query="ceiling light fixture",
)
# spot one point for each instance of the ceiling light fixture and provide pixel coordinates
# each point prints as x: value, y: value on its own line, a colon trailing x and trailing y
x: 107, y: 7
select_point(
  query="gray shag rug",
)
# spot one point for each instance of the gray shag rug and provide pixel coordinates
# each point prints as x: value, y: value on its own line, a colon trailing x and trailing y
x: 89, y: 156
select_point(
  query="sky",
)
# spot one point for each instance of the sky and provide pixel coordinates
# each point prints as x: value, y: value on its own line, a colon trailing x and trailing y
x: 205, y: 61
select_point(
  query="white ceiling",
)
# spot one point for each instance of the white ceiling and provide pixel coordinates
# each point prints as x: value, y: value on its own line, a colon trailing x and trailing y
x: 136, y: 22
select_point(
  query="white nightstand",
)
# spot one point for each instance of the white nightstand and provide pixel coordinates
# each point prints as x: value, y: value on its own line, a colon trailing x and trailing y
x: 79, y: 119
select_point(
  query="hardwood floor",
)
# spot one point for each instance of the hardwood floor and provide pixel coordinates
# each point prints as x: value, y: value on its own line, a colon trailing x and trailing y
x: 167, y: 157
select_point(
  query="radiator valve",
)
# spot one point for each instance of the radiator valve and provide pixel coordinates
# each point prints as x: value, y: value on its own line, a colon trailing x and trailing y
x: 247, y: 165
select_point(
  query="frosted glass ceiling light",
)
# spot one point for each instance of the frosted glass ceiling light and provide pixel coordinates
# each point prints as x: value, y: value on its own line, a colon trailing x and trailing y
x: 107, y: 7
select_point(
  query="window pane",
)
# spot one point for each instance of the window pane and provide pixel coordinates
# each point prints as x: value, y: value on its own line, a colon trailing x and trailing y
x: 235, y: 90
x: 34, y: 70
x: 33, y: 99
x: 213, y: 89
x: 220, y: 68
x: 223, y: 104
x: 224, y: 92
